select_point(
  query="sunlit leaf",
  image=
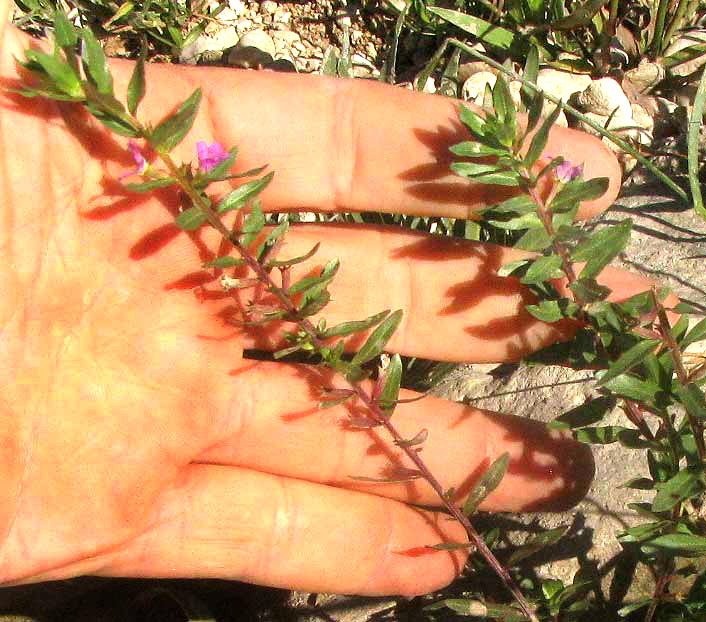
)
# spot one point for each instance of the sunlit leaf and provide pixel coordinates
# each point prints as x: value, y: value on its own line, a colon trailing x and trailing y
x: 252, y: 226
x: 491, y: 34
x: 601, y: 247
x: 418, y: 439
x: 686, y: 484
x: 295, y: 260
x: 695, y: 334
x: 487, y: 482
x: 473, y: 149
x: 224, y: 262
x: 633, y: 388
x: 680, y: 542
x: 96, y: 63
x: 136, y: 86
x: 152, y: 184
x: 378, y: 339
x: 627, y: 360
x: 172, y: 130
x: 387, y: 400
x: 64, y: 32
x: 578, y: 190
x: 539, y: 140
x: 348, y: 328
x: 242, y: 194
x: 553, y: 310
x: 542, y: 269
x: 61, y: 75
x: 191, y: 219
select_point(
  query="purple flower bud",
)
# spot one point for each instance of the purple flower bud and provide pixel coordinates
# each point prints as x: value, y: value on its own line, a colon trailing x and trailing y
x: 210, y: 156
x: 140, y: 161
x: 567, y: 172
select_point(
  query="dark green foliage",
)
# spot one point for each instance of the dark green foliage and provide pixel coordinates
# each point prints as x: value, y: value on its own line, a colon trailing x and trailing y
x: 172, y: 130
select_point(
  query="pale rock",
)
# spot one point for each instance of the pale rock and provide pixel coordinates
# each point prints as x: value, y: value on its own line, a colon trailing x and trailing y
x: 605, y: 97
x: 258, y: 39
x: 624, y: 126
x: 268, y: 7
x: 685, y: 40
x: 283, y: 17
x: 646, y: 75
x: 244, y: 24
x: 515, y: 89
x: 237, y: 6
x: 474, y: 88
x: 285, y: 36
x: 206, y: 44
x: 429, y: 85
x: 466, y: 70
x: 360, y: 60
x: 561, y: 84
x: 642, y: 118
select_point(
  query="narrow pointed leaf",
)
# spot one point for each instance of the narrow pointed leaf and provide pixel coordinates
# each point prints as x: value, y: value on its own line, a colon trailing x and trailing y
x: 520, y: 205
x: 348, y: 328
x: 242, y: 194
x: 254, y: 223
x: 378, y: 339
x: 502, y: 100
x: 601, y: 435
x: 490, y: 34
x: 680, y: 542
x: 473, y: 121
x: 64, y: 31
x: 600, y: 248
x: 323, y: 278
x: 578, y: 190
x: 692, y: 397
x: 172, y: 130
x: 551, y: 311
x: 295, y: 260
x: 190, y: 219
x: 542, y: 269
x: 311, y: 305
x: 686, y: 484
x: 61, y: 75
x: 474, y: 149
x: 488, y: 482
x: 628, y: 360
x: 539, y: 140
x: 633, y: 388
x: 536, y: 544
x: 391, y: 387
x: 152, y: 184
x: 695, y: 334
x: 418, y: 439
x: 136, y: 86
x: 224, y: 262
x: 588, y: 413
x: 96, y: 63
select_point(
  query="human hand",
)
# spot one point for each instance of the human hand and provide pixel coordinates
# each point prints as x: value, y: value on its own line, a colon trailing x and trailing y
x: 137, y: 440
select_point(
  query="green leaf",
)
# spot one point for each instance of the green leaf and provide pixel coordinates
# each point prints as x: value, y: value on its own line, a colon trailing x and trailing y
x: 224, y: 262
x: 695, y: 334
x: 600, y: 248
x: 539, y: 140
x: 191, y: 219
x: 242, y: 194
x: 592, y: 411
x: 536, y: 239
x: 64, y: 32
x: 627, y: 360
x: 378, y: 339
x: 600, y: 436
x: 633, y: 388
x: 520, y: 205
x: 295, y: 260
x: 329, y: 64
x: 639, y: 483
x: 578, y: 190
x: 450, y: 546
x: 491, y: 34
x: 387, y: 400
x: 476, y: 169
x: 417, y: 439
x: 525, y: 221
x: 686, y: 484
x: 588, y: 290
x: 253, y: 224
x: 61, y: 75
x: 473, y: 149
x: 473, y: 121
x: 112, y: 121
x: 692, y: 397
x: 680, y: 543
x: 536, y: 543
x: 324, y: 277
x: 551, y: 311
x: 542, y: 269
x: 136, y: 86
x: 313, y: 304
x: 152, y: 184
x: 643, y: 532
x: 95, y: 63
x: 487, y: 482
x: 348, y: 328
x: 535, y: 108
x: 505, y: 107
x: 172, y: 130
x: 272, y: 237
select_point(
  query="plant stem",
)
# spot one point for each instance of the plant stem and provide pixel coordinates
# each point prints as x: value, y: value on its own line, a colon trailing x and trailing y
x: 376, y: 413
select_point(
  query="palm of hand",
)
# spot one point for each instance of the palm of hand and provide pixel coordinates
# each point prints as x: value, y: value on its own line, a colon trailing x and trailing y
x: 130, y: 445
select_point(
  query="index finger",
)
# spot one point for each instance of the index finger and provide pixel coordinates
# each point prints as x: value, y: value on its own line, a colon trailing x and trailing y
x: 347, y: 145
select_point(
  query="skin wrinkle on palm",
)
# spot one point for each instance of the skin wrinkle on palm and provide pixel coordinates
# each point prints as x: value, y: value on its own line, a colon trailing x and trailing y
x: 315, y: 518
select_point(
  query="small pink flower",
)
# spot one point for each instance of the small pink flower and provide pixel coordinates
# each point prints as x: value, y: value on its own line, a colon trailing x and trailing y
x: 210, y: 156
x: 567, y: 172
x: 141, y: 163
